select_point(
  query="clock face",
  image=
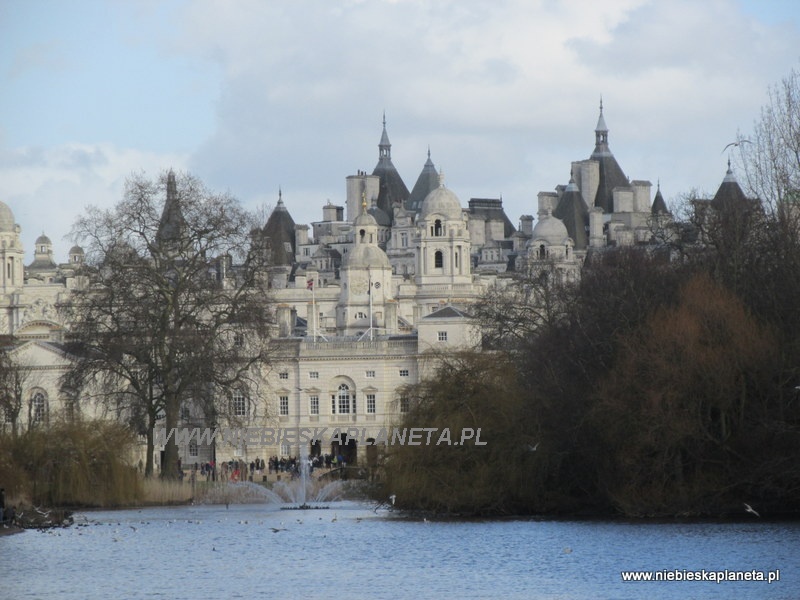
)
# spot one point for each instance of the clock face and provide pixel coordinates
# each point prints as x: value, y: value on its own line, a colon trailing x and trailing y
x: 358, y: 283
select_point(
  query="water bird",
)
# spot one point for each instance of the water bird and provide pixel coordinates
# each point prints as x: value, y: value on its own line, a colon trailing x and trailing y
x: 392, y: 498
x: 333, y: 520
x: 567, y: 550
x: 533, y: 448
x: 737, y: 143
x: 132, y: 527
x: 750, y: 509
x: 276, y: 530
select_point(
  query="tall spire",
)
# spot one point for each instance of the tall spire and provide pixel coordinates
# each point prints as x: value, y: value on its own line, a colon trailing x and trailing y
x: 392, y: 191
x: 384, y: 147
x: 601, y: 132
x: 171, y: 226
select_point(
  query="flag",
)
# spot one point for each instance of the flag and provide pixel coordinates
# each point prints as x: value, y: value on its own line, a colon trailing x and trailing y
x: 310, y: 285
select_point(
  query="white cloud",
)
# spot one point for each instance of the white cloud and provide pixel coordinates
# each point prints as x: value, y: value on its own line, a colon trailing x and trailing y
x: 505, y: 93
x: 46, y: 188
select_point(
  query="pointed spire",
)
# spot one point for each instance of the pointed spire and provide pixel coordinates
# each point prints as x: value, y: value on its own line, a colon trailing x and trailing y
x: 171, y: 226
x: 280, y: 205
x: 601, y: 132
x: 729, y: 176
x: 384, y: 147
x: 659, y: 205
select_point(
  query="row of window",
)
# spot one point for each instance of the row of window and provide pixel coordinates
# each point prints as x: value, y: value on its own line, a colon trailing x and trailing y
x: 284, y: 375
x: 342, y: 403
x: 39, y: 409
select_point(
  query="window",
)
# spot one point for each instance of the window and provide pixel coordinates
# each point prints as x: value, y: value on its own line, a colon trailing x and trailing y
x: 343, y: 407
x: 404, y: 404
x: 193, y: 448
x: 70, y: 409
x: 305, y: 251
x: 313, y: 375
x: 283, y: 375
x: 361, y: 315
x: 284, y: 449
x: 284, y: 405
x: 403, y: 372
x: 185, y: 413
x: 437, y: 228
x: 371, y: 404
x: 442, y: 336
x: 238, y: 404
x: 238, y: 340
x: 438, y: 259
x: 313, y: 405
x: 39, y: 408
x: 403, y: 240
x: 370, y: 374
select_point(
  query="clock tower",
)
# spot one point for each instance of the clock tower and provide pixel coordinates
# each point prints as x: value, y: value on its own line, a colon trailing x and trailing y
x: 366, y: 278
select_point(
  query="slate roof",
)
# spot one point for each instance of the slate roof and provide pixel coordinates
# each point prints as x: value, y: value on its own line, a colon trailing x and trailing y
x: 427, y: 181
x: 392, y: 190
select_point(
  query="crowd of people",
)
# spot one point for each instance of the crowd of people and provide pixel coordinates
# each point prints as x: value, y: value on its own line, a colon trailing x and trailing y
x: 240, y: 470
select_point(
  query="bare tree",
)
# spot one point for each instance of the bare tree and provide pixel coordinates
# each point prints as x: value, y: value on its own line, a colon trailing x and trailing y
x: 770, y: 155
x: 13, y: 382
x: 176, y: 309
x: 511, y: 313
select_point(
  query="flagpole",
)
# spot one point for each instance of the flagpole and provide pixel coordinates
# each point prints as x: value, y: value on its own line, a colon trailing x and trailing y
x: 310, y: 285
x: 370, y: 303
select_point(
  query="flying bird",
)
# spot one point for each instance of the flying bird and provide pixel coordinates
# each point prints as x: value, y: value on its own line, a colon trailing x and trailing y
x: 533, y: 448
x: 276, y: 530
x: 750, y: 509
x: 737, y: 143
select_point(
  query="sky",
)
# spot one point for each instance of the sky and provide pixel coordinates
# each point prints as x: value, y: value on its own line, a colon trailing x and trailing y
x: 257, y: 96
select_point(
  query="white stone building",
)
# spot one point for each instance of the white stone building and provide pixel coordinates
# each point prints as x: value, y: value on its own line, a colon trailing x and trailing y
x: 363, y: 298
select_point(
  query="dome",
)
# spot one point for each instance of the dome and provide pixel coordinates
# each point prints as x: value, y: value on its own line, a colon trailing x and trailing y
x: 6, y: 218
x: 550, y: 230
x: 43, y: 239
x: 367, y: 255
x: 76, y: 250
x: 365, y: 219
x: 441, y: 201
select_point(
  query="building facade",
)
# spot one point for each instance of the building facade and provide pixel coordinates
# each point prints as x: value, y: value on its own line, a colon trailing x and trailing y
x: 364, y: 297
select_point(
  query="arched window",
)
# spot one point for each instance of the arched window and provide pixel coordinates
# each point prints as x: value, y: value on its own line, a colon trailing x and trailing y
x: 438, y: 260
x: 344, y: 399
x: 437, y: 228
x: 542, y: 252
x: 362, y: 233
x: 39, y: 408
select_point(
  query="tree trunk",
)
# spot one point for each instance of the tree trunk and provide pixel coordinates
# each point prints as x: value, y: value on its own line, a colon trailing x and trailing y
x: 151, y: 425
x: 169, y: 467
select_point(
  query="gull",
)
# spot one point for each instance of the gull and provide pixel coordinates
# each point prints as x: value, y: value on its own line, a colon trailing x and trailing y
x: 393, y: 497
x: 132, y: 527
x: 333, y: 520
x: 41, y: 512
x: 750, y: 509
x: 533, y: 448
x: 276, y: 530
x: 735, y: 144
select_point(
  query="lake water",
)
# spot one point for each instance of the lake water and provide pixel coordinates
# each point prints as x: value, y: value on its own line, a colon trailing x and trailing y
x: 351, y: 551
